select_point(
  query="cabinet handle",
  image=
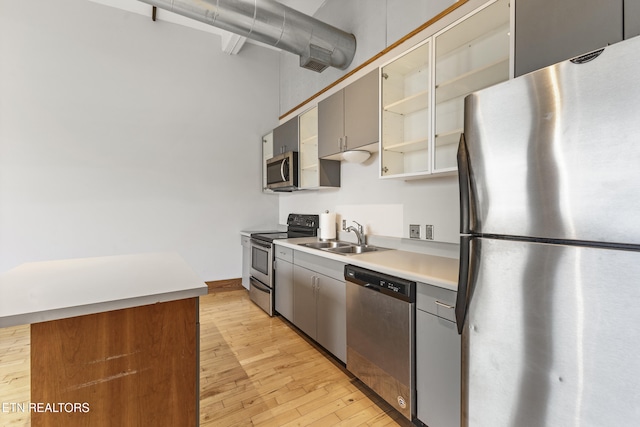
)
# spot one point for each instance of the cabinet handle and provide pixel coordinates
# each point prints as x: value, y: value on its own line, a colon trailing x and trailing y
x: 345, y: 143
x: 339, y: 144
x: 447, y: 306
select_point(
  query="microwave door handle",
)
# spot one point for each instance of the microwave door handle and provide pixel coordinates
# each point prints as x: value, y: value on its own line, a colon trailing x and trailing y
x: 282, y: 169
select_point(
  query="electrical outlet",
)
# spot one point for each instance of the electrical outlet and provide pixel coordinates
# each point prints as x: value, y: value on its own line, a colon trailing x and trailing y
x: 414, y: 231
x: 428, y: 234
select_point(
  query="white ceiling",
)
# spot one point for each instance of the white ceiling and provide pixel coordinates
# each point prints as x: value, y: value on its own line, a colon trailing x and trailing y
x: 230, y: 43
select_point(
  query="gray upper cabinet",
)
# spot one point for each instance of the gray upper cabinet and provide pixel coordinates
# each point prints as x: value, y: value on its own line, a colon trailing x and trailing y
x: 348, y: 119
x: 331, y: 124
x: 285, y: 137
x: 631, y: 18
x: 361, y: 111
x: 550, y: 31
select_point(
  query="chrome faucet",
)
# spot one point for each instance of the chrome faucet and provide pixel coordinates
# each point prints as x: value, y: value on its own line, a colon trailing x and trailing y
x: 359, y: 231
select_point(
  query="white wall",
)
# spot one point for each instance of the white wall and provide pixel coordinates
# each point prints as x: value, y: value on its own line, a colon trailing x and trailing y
x: 121, y: 135
x: 385, y: 207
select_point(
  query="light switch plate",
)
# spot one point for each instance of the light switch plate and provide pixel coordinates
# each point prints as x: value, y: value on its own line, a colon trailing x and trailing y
x: 414, y: 231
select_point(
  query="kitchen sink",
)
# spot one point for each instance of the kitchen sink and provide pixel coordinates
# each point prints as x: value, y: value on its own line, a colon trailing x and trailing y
x: 325, y: 245
x: 342, y: 248
x: 355, y: 249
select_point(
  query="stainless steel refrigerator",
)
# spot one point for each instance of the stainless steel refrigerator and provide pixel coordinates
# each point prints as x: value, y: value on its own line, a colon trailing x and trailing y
x: 549, y: 293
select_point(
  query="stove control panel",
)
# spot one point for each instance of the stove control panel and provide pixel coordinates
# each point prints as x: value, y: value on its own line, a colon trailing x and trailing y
x: 303, y: 221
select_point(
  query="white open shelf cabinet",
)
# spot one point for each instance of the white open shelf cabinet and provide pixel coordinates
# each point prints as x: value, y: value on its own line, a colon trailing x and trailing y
x: 422, y: 91
x: 308, y: 150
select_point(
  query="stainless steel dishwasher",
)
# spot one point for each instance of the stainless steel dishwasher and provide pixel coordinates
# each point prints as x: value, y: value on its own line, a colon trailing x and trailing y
x: 381, y: 335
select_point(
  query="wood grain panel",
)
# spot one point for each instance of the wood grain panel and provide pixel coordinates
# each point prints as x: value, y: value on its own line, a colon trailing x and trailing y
x: 225, y: 285
x: 128, y: 367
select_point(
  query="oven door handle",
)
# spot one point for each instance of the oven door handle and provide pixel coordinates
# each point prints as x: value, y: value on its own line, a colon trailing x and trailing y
x: 259, y: 286
x: 261, y: 244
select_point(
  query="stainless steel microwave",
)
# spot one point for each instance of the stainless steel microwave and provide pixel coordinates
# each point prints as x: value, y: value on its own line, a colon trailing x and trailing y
x: 282, y: 172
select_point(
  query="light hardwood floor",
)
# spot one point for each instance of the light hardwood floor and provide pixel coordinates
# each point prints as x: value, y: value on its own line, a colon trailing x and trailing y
x: 254, y: 371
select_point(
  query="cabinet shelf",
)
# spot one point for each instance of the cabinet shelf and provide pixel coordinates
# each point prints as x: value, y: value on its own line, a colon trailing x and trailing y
x: 407, y: 176
x: 448, y: 138
x: 471, y: 32
x: 407, y: 146
x: 409, y: 104
x: 473, y: 80
x: 312, y: 140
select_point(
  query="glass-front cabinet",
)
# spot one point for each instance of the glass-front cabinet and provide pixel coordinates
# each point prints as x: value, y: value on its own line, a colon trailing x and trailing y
x: 423, y: 91
x: 470, y: 55
x: 404, y: 125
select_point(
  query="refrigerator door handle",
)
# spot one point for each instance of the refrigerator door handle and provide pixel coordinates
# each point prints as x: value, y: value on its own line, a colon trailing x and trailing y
x: 463, y: 179
x: 462, y: 298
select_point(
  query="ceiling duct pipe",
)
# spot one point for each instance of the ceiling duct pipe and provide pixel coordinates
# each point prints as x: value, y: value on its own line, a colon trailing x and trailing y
x: 318, y: 44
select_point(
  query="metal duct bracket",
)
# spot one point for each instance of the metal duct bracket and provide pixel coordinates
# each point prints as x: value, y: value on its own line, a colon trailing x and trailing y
x: 318, y: 44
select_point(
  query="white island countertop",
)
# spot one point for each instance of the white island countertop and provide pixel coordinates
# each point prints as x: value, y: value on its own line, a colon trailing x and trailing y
x: 434, y: 270
x: 50, y: 290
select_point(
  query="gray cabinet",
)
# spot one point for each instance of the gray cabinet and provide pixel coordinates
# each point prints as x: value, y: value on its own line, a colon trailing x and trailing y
x: 438, y: 357
x: 285, y: 137
x: 319, y: 307
x: 631, y: 18
x: 330, y: 124
x: 361, y: 115
x: 348, y: 119
x: 283, y: 276
x: 246, y: 260
x: 304, y: 300
x: 331, y: 326
x: 267, y: 153
x: 550, y: 31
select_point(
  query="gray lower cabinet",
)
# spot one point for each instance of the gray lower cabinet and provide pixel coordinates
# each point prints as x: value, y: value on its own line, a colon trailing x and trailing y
x: 550, y: 31
x: 438, y: 358
x: 246, y: 260
x: 305, y: 305
x: 283, y: 276
x: 319, y: 302
x: 331, y: 328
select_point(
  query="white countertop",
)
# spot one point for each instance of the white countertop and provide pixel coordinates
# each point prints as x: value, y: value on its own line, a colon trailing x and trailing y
x: 434, y: 270
x: 42, y: 291
x: 278, y: 229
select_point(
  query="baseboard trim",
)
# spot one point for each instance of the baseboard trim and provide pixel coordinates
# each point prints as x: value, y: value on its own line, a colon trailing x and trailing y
x: 225, y: 285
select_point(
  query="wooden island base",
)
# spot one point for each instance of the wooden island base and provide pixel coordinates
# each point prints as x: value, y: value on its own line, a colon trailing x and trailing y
x: 131, y: 367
